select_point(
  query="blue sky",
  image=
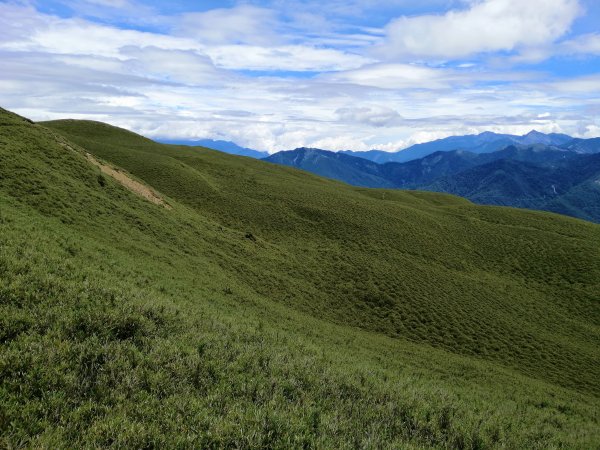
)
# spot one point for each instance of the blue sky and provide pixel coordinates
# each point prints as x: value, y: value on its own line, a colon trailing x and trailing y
x: 278, y: 74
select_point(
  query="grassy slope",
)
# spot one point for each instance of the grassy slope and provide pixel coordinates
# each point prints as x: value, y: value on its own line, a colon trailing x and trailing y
x: 124, y: 323
x: 387, y: 264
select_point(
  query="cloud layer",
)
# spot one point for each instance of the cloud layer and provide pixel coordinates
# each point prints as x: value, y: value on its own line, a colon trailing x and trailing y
x: 485, y: 26
x: 271, y: 76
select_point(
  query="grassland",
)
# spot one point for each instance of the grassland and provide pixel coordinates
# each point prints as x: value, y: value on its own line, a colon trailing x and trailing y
x: 270, y: 308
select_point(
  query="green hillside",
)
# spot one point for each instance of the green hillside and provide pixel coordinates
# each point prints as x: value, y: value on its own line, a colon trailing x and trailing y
x: 265, y: 307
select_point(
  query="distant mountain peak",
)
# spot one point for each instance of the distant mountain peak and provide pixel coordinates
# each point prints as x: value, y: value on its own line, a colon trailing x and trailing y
x: 533, y: 133
x: 220, y: 145
x: 308, y: 149
x: 485, y: 142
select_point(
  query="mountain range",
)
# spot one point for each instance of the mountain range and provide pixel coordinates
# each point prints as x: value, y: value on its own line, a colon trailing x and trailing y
x: 223, y: 146
x: 563, y: 179
x: 478, y: 143
x: 485, y: 142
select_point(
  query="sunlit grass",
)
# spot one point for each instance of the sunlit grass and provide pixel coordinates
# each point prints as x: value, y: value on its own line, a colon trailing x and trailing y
x: 270, y: 308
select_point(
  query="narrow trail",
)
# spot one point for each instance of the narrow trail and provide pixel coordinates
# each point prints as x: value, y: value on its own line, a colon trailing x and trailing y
x: 134, y: 186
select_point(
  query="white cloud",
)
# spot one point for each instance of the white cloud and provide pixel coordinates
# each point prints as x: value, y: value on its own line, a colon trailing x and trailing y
x: 75, y: 36
x: 195, y: 85
x: 586, y: 85
x: 393, y: 76
x: 297, y: 58
x: 377, y: 116
x: 243, y: 24
x: 179, y: 66
x: 486, y: 26
x: 81, y: 37
x: 578, y: 46
x: 586, y: 44
x: 590, y: 131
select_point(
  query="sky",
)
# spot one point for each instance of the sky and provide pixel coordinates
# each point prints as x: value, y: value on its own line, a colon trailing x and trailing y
x: 280, y: 74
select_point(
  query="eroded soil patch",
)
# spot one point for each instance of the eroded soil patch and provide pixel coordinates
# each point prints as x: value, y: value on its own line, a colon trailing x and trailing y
x: 134, y: 186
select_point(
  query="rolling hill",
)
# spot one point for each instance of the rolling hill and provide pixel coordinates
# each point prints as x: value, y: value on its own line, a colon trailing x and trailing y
x: 257, y: 306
